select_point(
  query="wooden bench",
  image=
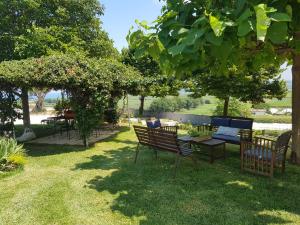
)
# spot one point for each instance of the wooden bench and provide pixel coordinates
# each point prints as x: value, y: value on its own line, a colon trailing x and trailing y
x: 163, y: 140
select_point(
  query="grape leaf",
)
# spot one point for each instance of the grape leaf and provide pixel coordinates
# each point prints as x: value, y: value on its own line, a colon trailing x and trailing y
x: 277, y: 32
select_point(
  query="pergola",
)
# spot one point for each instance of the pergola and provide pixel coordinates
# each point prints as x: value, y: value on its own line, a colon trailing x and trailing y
x: 86, y: 80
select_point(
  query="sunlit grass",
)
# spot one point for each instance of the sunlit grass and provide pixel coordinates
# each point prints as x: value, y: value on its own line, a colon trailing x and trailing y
x: 102, y: 185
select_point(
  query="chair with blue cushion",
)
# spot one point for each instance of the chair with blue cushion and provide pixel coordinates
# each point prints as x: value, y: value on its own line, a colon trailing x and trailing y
x: 157, y: 124
x: 263, y: 155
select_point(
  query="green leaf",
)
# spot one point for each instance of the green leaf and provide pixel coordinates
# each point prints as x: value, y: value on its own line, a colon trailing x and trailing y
x: 244, y: 28
x: 213, y: 39
x: 240, y: 5
x: 245, y: 15
x: 200, y: 20
x: 193, y: 36
x: 277, y: 32
x: 262, y: 21
x: 183, y: 30
x: 176, y: 50
x: 280, y: 17
x: 217, y: 25
x: 223, y: 51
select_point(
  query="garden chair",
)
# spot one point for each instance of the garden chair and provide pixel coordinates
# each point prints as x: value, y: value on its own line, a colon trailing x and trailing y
x: 157, y: 124
x: 262, y: 155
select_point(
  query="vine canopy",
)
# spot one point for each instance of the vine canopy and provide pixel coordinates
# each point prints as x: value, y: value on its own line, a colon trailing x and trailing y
x: 71, y: 73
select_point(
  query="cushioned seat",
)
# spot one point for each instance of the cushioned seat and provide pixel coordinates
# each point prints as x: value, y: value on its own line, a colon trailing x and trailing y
x: 260, y: 153
x: 235, y: 139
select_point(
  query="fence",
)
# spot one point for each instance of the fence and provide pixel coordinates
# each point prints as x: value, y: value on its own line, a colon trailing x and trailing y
x: 181, y: 118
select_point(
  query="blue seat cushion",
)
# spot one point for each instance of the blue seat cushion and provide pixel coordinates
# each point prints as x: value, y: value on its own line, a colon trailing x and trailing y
x: 242, y: 124
x: 219, y: 121
x: 235, y: 139
x: 153, y: 124
x: 262, y: 154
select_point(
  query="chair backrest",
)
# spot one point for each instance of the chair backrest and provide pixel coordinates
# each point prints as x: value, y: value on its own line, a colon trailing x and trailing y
x: 153, y: 123
x: 228, y: 121
x: 159, y: 138
x: 282, y: 142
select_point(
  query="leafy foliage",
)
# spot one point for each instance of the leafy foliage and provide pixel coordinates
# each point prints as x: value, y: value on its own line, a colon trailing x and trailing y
x: 236, y: 108
x: 9, y: 111
x: 173, y: 104
x: 37, y: 28
x: 90, y: 82
x: 246, y: 86
x: 11, y: 154
x: 154, y: 82
x: 195, y: 35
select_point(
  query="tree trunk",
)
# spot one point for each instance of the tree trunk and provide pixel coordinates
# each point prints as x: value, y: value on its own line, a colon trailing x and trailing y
x: 25, y: 107
x: 40, y: 104
x: 226, y: 106
x: 296, y: 108
x: 142, y: 104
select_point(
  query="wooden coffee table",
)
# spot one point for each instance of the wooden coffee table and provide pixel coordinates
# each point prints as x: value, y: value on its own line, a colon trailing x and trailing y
x: 213, y: 148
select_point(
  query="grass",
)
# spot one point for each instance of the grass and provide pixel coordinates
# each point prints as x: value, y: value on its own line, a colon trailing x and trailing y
x: 273, y: 119
x: 39, y: 130
x: 102, y: 185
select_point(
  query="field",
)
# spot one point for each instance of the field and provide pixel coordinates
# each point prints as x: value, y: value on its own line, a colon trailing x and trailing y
x: 208, y: 109
x: 101, y: 185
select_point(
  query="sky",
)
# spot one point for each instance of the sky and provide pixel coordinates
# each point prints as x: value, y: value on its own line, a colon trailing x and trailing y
x: 120, y: 15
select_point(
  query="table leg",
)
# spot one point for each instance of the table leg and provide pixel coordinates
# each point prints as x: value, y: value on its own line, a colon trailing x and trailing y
x: 212, y: 155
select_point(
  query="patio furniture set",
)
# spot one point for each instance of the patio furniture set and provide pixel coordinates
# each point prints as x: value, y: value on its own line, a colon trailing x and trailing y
x: 258, y: 155
x: 62, y: 123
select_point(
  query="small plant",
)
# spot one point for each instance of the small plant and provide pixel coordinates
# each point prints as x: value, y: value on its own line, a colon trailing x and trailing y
x: 12, y: 155
x: 193, y: 132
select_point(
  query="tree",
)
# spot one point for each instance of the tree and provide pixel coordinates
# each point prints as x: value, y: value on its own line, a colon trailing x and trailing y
x: 154, y: 82
x: 8, y: 110
x: 235, y: 108
x: 90, y: 82
x: 252, y: 87
x: 249, y: 35
x: 40, y: 94
x: 39, y: 28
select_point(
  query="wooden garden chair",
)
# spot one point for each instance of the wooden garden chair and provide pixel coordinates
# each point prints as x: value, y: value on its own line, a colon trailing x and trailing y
x: 262, y: 155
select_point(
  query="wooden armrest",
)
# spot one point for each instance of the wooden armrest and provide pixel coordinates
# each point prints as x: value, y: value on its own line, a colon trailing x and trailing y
x: 264, y: 138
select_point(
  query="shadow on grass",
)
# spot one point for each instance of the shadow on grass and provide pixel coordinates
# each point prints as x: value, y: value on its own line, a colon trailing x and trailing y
x: 38, y: 150
x: 208, y: 194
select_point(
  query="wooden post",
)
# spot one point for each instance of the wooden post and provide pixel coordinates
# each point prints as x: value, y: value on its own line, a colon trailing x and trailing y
x: 296, y: 107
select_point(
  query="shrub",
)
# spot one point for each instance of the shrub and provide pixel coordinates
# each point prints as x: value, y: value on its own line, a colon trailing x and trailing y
x: 61, y: 105
x: 173, y: 104
x: 12, y: 155
x: 207, y: 101
x: 236, y: 108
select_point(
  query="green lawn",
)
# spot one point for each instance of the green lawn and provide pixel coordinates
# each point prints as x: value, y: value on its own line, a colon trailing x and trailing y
x: 102, y: 185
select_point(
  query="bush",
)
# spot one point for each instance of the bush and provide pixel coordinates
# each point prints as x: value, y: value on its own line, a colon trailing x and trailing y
x: 12, y: 155
x: 61, y: 105
x: 207, y: 102
x: 236, y: 108
x: 173, y: 104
